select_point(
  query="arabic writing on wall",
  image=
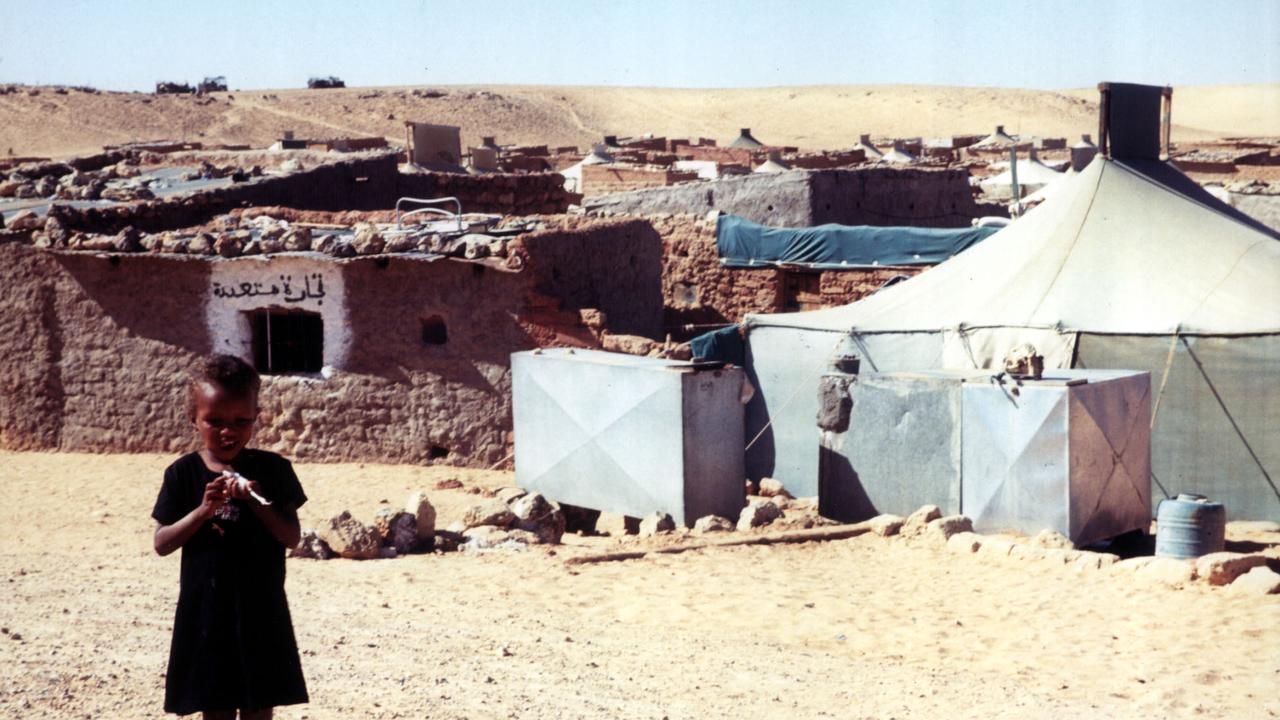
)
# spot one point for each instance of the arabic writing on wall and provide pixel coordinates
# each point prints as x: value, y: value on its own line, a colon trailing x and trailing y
x: 312, y: 288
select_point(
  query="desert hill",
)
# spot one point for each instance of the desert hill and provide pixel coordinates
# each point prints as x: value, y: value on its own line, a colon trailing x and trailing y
x: 55, y: 122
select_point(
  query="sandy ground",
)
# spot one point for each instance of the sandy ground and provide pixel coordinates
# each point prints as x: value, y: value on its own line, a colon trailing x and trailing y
x: 811, y: 117
x: 868, y: 627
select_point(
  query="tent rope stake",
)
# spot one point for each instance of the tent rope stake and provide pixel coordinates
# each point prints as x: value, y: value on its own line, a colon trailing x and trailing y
x: 1232, y: 420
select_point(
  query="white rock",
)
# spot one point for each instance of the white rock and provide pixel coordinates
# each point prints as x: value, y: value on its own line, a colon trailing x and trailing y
x: 1167, y: 571
x: 917, y: 521
x: 773, y: 488
x: 712, y: 524
x: 944, y: 527
x: 424, y: 514
x: 1052, y: 539
x: 1222, y: 568
x: 886, y: 525
x: 1260, y: 580
x: 493, y: 512
x: 535, y: 514
x: 995, y: 547
x: 964, y: 542
x: 757, y: 513
x: 657, y: 523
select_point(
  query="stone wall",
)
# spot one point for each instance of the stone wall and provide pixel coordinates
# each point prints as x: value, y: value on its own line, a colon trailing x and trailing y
x: 95, y: 348
x: 699, y: 293
x: 604, y: 179
x: 801, y: 198
x: 369, y: 182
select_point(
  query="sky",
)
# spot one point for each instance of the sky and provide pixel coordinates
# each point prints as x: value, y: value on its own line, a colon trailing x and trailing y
x: 260, y: 44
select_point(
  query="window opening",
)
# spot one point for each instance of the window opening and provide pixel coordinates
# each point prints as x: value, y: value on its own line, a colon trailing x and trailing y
x: 434, y: 331
x: 287, y: 341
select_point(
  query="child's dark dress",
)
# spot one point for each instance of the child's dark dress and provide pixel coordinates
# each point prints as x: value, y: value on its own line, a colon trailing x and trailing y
x: 233, y: 644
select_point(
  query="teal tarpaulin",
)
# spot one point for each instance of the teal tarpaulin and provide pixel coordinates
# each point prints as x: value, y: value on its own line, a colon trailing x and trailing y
x: 742, y: 243
x: 725, y: 344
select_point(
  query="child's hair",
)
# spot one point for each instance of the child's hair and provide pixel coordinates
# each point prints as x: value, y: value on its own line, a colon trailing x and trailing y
x: 227, y: 373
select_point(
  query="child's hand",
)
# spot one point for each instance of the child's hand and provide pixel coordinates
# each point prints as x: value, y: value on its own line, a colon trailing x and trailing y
x: 215, y: 496
x: 241, y: 490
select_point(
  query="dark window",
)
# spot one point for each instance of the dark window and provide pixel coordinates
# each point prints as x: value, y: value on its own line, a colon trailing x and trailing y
x: 437, y: 453
x: 287, y: 342
x: 434, y: 331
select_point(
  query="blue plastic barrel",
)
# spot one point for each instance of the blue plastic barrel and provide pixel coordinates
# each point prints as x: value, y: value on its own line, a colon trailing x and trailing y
x: 1189, y: 526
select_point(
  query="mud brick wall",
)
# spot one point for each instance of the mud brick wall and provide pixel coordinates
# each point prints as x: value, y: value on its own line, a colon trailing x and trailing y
x: 95, y: 348
x: 365, y: 183
x: 93, y: 353
x: 612, y: 265
x: 698, y: 291
x: 603, y: 179
x: 801, y: 198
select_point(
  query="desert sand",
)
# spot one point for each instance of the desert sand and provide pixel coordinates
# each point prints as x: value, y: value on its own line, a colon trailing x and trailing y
x: 810, y: 117
x: 862, y: 628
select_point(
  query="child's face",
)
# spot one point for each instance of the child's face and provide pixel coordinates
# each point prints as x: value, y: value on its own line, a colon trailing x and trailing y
x: 225, y: 423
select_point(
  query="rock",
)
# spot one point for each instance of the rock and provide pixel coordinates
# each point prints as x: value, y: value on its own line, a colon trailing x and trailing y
x: 175, y: 244
x: 1222, y: 568
x: 311, y: 546
x: 290, y: 166
x: 128, y: 240
x: 368, y: 240
x: 201, y: 244
x: 628, y: 344
x: 401, y: 244
x: 508, y: 494
x: 26, y: 191
x: 1026, y: 551
x: 56, y: 230
x: 995, y: 547
x: 917, y: 521
x: 943, y: 528
x: 757, y: 513
x: 535, y: 514
x: 487, y: 537
x: 397, y: 529
x: 1060, y: 556
x: 1091, y: 560
x: 9, y: 188
x: 46, y: 186
x: 446, y: 541
x: 1052, y: 539
x: 343, y: 249
x: 253, y: 247
x: 228, y: 246
x: 1260, y: 580
x: 349, y: 538
x: 25, y: 220
x: 424, y: 515
x: 964, y: 542
x: 493, y: 512
x: 782, y: 501
x: 324, y: 244
x: 886, y: 525
x: 297, y: 239
x: 270, y: 246
x: 657, y: 523
x: 773, y: 488
x: 1167, y: 571
x: 712, y: 524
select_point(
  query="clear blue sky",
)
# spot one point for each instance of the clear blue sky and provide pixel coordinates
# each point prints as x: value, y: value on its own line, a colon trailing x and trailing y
x: 129, y: 44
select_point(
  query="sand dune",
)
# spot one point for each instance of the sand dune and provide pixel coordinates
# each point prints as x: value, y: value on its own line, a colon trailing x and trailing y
x: 812, y: 117
x: 868, y: 627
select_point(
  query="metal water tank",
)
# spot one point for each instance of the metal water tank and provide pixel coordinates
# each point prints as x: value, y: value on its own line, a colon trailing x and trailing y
x: 1189, y: 526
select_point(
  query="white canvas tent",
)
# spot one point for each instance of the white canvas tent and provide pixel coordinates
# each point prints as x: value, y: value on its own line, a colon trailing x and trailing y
x: 1129, y: 266
x: 1033, y: 176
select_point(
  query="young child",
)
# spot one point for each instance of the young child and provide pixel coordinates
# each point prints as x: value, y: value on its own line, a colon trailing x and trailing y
x: 233, y: 646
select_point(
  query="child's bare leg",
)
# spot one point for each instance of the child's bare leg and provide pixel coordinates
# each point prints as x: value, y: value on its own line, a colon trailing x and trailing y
x: 263, y: 714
